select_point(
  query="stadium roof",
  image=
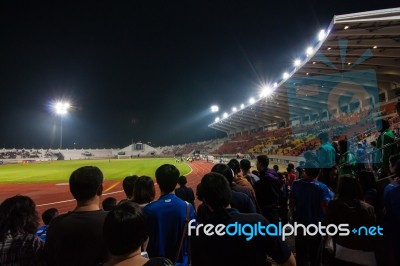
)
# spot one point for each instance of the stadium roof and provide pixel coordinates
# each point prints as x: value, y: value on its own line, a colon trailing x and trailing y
x: 353, y: 43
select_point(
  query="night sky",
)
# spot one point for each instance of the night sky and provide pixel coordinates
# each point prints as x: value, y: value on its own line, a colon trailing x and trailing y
x: 145, y: 70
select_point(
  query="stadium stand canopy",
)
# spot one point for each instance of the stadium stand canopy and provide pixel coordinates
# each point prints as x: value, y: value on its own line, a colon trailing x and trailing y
x: 354, y: 43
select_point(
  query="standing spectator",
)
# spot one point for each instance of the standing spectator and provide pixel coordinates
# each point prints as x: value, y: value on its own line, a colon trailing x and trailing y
x: 238, y: 179
x: 128, y: 185
x: 166, y: 218
x: 47, y: 216
x: 385, y: 139
x: 245, y: 166
x: 361, y: 157
x: 326, y: 157
x: 268, y: 190
x: 109, y: 203
x: 144, y: 191
x: 308, y: 201
x: 347, y: 160
x: 76, y: 237
x: 125, y: 233
x: 184, y: 192
x: 18, y: 222
x: 375, y: 156
x: 291, y: 175
x: 233, y: 250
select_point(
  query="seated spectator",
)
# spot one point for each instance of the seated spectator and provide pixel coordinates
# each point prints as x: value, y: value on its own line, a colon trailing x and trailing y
x: 349, y: 208
x: 184, y: 192
x: 144, y: 191
x: 18, y: 222
x: 76, y: 237
x: 233, y: 250
x: 109, y: 203
x: 47, y: 216
x: 125, y: 232
x: 128, y: 185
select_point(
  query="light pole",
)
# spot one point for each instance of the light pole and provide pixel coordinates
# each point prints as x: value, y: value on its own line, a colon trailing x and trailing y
x: 61, y: 109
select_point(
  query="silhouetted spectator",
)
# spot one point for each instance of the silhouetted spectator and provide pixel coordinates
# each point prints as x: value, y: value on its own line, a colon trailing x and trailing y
x: 18, y: 222
x: 109, y: 203
x: 128, y: 185
x: 184, y: 192
x: 245, y: 165
x: 47, y: 216
x: 144, y: 191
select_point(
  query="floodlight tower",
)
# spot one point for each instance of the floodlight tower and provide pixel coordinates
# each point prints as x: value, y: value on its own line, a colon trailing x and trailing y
x: 61, y: 109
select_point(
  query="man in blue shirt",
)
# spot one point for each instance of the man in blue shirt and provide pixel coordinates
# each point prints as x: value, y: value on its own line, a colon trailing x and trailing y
x: 47, y: 216
x: 308, y: 201
x: 166, y: 219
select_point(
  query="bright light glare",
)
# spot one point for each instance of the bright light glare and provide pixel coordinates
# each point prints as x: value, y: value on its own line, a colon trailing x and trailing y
x: 285, y: 75
x: 275, y: 84
x: 242, y: 106
x: 309, y: 50
x: 214, y: 108
x: 297, y: 62
x: 216, y: 119
x: 251, y: 100
x: 321, y: 35
x: 266, y: 91
x: 225, y: 115
x: 61, y: 108
x: 234, y: 109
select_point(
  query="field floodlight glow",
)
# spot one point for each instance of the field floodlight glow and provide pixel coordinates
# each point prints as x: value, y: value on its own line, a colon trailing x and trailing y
x: 225, y: 115
x: 297, y: 62
x: 242, y: 106
x: 214, y: 108
x: 275, y: 84
x: 216, y: 119
x: 321, y: 35
x: 252, y: 100
x: 61, y: 108
x: 266, y: 91
x: 234, y: 109
x: 285, y: 75
x: 309, y: 50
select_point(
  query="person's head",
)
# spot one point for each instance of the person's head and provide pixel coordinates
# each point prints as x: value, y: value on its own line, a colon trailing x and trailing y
x: 245, y: 165
x: 86, y: 182
x: 382, y: 124
x: 18, y: 215
x: 235, y: 166
x: 262, y: 162
x: 349, y: 188
x: 392, y: 162
x: 311, y: 169
x: 144, y: 191
x: 324, y: 137
x: 125, y: 229
x: 224, y: 170
x: 182, y: 181
x: 49, y: 215
x: 343, y: 146
x: 276, y: 168
x: 109, y: 203
x: 216, y: 191
x: 167, y: 177
x: 128, y: 184
x: 373, y: 143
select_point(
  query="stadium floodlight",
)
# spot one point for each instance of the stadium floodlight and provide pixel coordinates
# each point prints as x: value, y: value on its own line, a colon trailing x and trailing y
x: 297, y: 62
x: 321, y: 35
x: 252, y: 100
x: 285, y: 75
x: 216, y: 119
x: 61, y: 109
x: 242, y: 106
x: 214, y: 108
x: 266, y: 91
x: 309, y: 50
x: 234, y: 109
x: 225, y: 115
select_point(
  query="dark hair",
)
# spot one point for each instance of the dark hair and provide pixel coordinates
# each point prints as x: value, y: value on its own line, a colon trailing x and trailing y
x: 373, y: 143
x: 84, y: 182
x: 167, y: 177
x: 245, y: 164
x: 382, y: 124
x: 311, y: 168
x: 290, y: 166
x: 182, y: 180
x: 199, y: 192
x: 124, y: 228
x: 224, y: 170
x: 276, y: 167
x: 255, y: 172
x: 128, y: 184
x: 144, y: 191
x: 109, y: 203
x: 393, y: 159
x: 324, y: 136
x: 263, y: 160
x: 234, y: 165
x: 216, y: 191
x: 343, y: 146
x: 349, y: 188
x: 18, y: 215
x: 49, y: 215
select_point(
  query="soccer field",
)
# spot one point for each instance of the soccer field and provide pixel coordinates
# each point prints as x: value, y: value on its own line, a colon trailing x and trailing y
x: 59, y: 171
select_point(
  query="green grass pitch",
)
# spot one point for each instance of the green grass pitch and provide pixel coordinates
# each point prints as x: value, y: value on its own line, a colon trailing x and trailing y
x: 59, y: 171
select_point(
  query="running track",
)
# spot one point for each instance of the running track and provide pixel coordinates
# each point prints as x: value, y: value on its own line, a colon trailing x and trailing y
x: 57, y: 195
